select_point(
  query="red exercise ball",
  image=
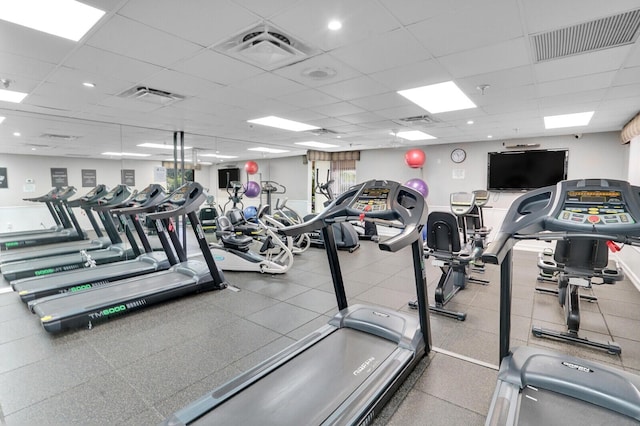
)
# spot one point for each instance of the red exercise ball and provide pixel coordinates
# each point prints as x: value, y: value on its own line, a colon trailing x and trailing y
x: 251, y: 167
x: 414, y: 158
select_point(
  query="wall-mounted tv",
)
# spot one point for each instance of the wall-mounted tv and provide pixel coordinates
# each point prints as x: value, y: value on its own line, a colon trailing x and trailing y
x: 226, y: 176
x: 525, y: 170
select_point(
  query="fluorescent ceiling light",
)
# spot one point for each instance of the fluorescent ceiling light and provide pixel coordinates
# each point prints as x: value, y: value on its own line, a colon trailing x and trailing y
x: 171, y: 160
x: 69, y: 19
x: 218, y: 156
x: 160, y: 146
x: 16, y: 133
x: 314, y: 144
x: 334, y: 25
x: 568, y: 120
x: 11, y: 96
x: 282, y: 123
x: 269, y: 150
x: 126, y: 154
x: 2, y: 119
x: 441, y: 97
x: 88, y: 84
x: 414, y: 135
x: 205, y: 163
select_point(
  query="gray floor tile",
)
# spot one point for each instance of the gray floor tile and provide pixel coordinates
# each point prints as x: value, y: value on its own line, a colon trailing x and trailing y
x: 420, y: 409
x: 282, y: 317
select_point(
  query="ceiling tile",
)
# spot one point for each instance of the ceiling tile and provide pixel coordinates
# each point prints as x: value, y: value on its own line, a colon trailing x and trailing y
x: 484, y: 23
x: 217, y: 67
x: 414, y: 75
x: 181, y: 84
x: 410, y: 11
x: 576, y: 84
x: 129, y: 38
x: 295, y: 72
x: 382, y: 101
x: 199, y: 21
x: 382, y: 52
x: 337, y: 109
x: 269, y: 85
x: 500, y: 56
x: 308, y: 98
x: 355, y: 88
x: 34, y: 44
x: 101, y: 62
x: 573, y: 66
x: 627, y: 76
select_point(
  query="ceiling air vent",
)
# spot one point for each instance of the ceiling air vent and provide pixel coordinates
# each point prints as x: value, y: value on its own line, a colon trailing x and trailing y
x: 603, y: 33
x: 53, y: 136
x: 266, y: 47
x: 322, y: 132
x: 419, y: 119
x: 152, y: 96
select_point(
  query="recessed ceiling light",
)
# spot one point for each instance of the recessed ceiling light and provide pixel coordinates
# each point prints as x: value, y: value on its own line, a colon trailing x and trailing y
x: 441, y: 97
x: 2, y: 119
x: 334, y: 25
x: 205, y: 163
x: 414, y: 135
x: 218, y: 156
x: 470, y: 122
x: 88, y: 84
x: 160, y: 146
x: 489, y: 136
x: 33, y: 149
x: 567, y: 120
x: 16, y: 133
x: 269, y: 150
x: 11, y: 96
x: 282, y: 123
x: 64, y: 18
x: 314, y: 144
x: 126, y: 154
x: 171, y: 160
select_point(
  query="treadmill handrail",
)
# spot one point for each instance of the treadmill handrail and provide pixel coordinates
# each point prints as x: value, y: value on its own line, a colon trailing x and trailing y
x: 191, y: 203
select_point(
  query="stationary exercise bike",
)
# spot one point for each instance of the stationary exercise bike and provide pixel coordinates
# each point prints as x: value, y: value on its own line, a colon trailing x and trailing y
x: 451, y: 254
x: 346, y: 237
x: 577, y: 264
x: 208, y: 214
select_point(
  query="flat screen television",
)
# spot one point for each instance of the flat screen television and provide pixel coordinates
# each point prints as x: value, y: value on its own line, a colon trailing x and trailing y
x: 225, y: 176
x: 525, y: 170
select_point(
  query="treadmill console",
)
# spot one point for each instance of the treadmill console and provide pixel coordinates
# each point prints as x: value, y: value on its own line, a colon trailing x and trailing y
x: 372, y: 199
x: 64, y: 193
x: 595, y: 206
x: 179, y: 196
x: 462, y: 202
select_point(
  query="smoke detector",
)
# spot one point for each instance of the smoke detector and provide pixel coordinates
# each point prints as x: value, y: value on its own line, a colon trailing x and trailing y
x: 265, y: 46
x: 319, y: 73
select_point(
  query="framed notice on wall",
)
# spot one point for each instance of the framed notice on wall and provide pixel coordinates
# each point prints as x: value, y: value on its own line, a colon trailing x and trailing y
x: 59, y: 177
x: 89, y: 178
x: 128, y: 177
x: 3, y: 178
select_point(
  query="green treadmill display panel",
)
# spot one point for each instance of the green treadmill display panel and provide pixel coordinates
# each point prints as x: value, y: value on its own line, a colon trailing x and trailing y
x: 601, y: 207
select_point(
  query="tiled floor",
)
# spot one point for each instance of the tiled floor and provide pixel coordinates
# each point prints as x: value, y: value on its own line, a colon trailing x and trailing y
x: 140, y: 368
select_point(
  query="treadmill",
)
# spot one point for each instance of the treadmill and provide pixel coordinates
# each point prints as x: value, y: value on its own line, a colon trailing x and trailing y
x: 537, y: 386
x: 145, y: 201
x: 46, y: 199
x: 71, y: 229
x: 86, y: 308
x: 65, y: 207
x: 81, y: 258
x: 344, y: 372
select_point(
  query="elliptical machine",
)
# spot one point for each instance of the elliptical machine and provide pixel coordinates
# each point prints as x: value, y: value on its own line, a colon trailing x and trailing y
x: 451, y: 254
x: 346, y: 237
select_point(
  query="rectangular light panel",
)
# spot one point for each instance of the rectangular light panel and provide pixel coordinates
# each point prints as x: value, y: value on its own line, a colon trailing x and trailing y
x: 160, y: 146
x: 282, y: 123
x: 269, y: 150
x: 314, y: 144
x: 567, y: 120
x: 11, y: 96
x: 69, y: 19
x: 126, y: 154
x: 219, y: 156
x: 441, y: 97
x: 414, y: 135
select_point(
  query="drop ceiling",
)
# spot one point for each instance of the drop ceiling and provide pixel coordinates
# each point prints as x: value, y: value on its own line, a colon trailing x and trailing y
x: 384, y: 46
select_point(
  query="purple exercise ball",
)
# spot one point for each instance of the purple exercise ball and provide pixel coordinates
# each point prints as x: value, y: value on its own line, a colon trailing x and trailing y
x: 419, y: 185
x: 252, y: 189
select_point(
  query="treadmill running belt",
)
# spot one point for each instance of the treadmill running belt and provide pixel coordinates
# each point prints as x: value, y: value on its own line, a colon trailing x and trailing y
x: 337, y: 365
x: 543, y: 407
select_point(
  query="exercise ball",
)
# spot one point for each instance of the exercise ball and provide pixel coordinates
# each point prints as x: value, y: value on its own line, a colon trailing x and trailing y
x: 252, y: 189
x: 419, y: 185
x: 414, y: 158
x: 251, y: 167
x: 250, y: 213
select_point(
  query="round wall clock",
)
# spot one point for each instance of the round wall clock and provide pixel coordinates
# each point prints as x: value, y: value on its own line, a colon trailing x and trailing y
x: 458, y: 155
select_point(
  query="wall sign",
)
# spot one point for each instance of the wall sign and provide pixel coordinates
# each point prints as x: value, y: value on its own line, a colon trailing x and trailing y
x: 89, y: 178
x: 59, y: 177
x: 3, y: 178
x: 128, y: 177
